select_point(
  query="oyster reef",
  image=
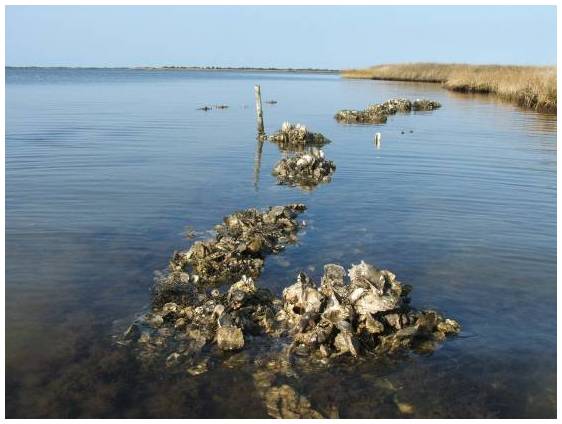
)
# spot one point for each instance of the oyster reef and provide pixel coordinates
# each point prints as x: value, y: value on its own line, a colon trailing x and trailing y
x: 378, y: 113
x: 305, y: 170
x: 364, y: 311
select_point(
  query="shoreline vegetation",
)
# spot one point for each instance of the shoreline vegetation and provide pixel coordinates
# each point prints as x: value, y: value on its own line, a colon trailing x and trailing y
x: 531, y: 87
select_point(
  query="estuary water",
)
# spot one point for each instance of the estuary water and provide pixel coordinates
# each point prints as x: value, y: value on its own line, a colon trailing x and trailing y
x: 107, y: 168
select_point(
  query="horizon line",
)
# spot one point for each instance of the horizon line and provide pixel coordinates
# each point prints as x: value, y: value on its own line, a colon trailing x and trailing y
x: 206, y: 67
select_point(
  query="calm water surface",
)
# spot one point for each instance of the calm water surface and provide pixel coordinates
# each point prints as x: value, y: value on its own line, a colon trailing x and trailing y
x: 105, y: 169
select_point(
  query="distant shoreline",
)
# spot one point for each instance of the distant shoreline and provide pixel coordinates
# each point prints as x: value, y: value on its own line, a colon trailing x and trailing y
x: 190, y: 68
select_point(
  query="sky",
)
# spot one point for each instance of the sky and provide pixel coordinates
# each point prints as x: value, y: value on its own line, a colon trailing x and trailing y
x: 335, y: 37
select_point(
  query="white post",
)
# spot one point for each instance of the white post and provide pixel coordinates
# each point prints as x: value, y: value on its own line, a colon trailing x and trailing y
x: 378, y: 137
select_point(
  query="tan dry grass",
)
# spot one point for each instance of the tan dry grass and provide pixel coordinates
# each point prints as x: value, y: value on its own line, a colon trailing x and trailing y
x: 532, y: 87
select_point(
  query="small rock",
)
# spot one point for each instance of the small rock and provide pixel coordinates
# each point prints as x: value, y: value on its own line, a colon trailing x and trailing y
x: 144, y: 337
x: 405, y: 408
x: 169, y: 309
x: 217, y: 312
x: 284, y: 402
x: 230, y: 338
x: 173, y: 359
x: 155, y: 320
x: 345, y: 342
x: 372, y: 325
x: 449, y: 326
x: 198, y: 368
x: 180, y: 324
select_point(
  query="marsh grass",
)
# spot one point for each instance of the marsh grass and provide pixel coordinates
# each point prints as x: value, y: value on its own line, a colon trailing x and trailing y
x: 532, y: 87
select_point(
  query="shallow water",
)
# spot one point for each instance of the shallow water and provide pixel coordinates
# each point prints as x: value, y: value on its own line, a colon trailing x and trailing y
x: 105, y: 169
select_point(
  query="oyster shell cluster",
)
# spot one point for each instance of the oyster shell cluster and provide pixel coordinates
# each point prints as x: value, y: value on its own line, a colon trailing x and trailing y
x: 207, y: 107
x: 378, y: 113
x: 370, y: 312
x: 208, y: 322
x: 239, y: 247
x: 305, y: 170
x: 295, y: 137
x: 425, y: 104
x: 193, y: 326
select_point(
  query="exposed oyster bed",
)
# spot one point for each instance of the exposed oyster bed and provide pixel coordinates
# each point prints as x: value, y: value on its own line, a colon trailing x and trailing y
x: 239, y: 247
x: 295, y: 137
x: 378, y: 113
x: 193, y: 327
x: 305, y: 170
x: 368, y: 312
x: 425, y: 104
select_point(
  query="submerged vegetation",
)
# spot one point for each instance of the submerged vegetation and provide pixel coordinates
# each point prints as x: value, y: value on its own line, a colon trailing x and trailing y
x: 532, y: 87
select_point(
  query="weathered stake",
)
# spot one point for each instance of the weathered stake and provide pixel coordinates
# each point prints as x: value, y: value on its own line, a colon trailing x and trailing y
x: 259, y: 111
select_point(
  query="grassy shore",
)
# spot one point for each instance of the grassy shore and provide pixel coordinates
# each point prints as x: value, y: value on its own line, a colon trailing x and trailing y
x: 532, y: 87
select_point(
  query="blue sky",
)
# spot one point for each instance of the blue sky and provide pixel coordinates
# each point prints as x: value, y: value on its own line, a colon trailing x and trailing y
x: 280, y: 36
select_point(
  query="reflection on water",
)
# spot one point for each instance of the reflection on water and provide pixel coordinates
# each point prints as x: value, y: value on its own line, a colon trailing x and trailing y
x: 257, y: 162
x: 104, y: 169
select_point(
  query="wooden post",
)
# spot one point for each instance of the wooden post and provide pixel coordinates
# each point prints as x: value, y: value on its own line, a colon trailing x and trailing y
x: 259, y: 111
